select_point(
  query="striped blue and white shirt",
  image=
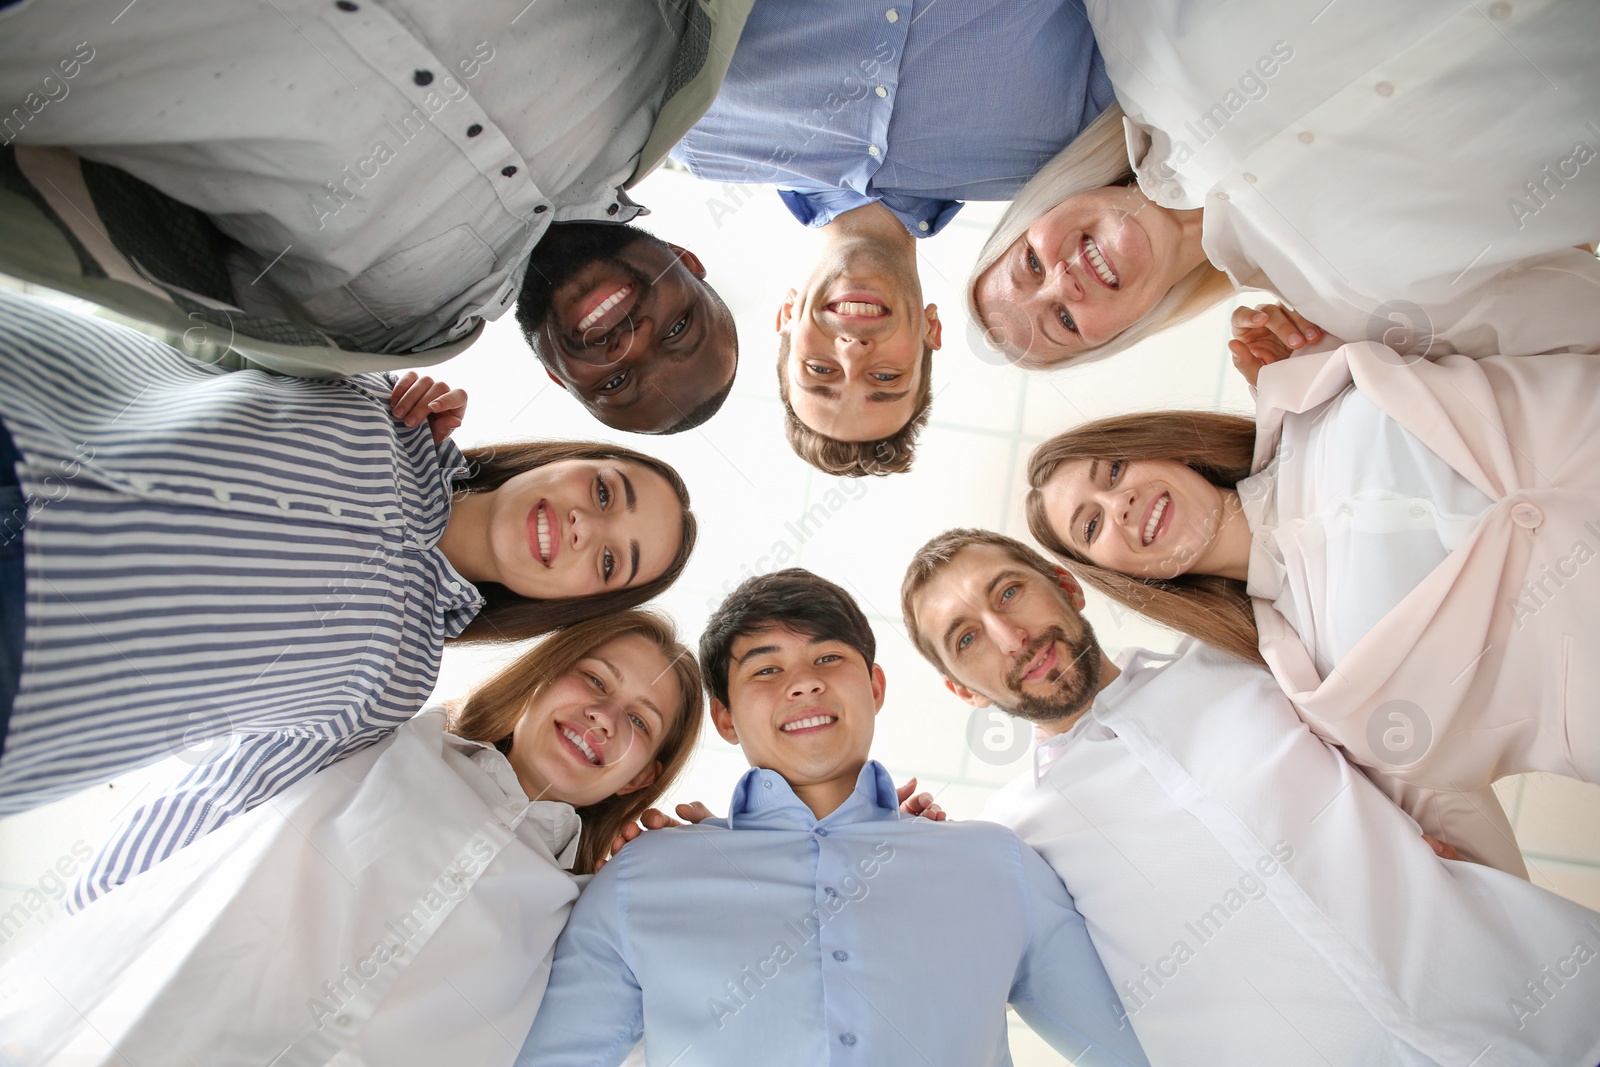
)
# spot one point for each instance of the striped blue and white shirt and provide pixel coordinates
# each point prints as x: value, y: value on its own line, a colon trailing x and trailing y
x: 234, y: 567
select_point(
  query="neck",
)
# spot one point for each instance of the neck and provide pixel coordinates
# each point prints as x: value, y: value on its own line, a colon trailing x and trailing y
x: 1109, y: 672
x: 1229, y: 553
x: 824, y: 798
x: 1191, y: 253
x: 465, y: 541
x: 871, y: 222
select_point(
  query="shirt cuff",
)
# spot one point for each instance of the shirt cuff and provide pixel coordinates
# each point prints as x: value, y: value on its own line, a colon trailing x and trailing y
x: 820, y: 207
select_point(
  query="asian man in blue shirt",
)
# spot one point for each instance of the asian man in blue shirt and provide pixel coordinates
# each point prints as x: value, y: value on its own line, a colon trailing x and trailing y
x: 817, y: 924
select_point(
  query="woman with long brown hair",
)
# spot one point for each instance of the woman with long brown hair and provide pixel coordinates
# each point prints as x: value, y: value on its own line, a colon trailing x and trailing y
x: 1403, y: 542
x: 259, y: 573
x: 400, y: 907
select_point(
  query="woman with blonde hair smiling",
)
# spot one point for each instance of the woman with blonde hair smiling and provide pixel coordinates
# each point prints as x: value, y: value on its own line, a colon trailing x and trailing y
x: 1412, y: 173
x: 398, y: 908
x: 1407, y: 544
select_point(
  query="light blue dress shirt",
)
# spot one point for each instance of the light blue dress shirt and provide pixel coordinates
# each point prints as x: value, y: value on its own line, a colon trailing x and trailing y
x: 915, y: 103
x: 864, y: 938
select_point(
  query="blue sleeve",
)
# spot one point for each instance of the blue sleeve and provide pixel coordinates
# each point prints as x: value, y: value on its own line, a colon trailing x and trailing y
x: 592, y: 1014
x: 1061, y: 989
x: 818, y: 207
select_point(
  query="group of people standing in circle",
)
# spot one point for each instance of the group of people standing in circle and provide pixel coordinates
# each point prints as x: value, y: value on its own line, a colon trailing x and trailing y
x: 1278, y: 844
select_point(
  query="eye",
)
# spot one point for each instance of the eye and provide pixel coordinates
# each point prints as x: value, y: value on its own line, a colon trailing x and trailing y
x: 611, y: 385
x: 886, y: 376
x: 820, y: 370
x: 640, y: 724
x: 678, y: 328
x: 829, y: 657
x: 1034, y: 266
x: 602, y: 492
x: 1116, y: 471
x: 965, y: 640
x: 1090, y: 528
x: 762, y: 672
x: 595, y: 681
x: 1009, y: 593
x: 608, y: 564
x: 1066, y: 320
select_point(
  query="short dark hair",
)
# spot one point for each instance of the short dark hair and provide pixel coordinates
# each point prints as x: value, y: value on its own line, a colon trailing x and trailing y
x: 794, y: 599
x: 856, y: 459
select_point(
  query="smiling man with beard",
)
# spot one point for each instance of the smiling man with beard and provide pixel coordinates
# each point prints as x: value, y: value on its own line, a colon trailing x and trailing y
x: 1255, y: 898
x: 626, y: 323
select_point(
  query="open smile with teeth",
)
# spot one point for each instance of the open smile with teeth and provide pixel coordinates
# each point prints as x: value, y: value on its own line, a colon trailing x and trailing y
x: 810, y: 723
x: 858, y: 309
x: 1097, y: 260
x: 546, y: 533
x: 1041, y: 663
x: 580, y: 744
x: 604, y: 306
x: 1153, y: 523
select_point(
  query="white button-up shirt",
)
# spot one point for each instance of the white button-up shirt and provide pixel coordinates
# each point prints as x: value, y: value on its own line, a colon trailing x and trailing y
x: 1256, y: 900
x: 399, y: 908
x: 1370, y: 161
x: 386, y: 166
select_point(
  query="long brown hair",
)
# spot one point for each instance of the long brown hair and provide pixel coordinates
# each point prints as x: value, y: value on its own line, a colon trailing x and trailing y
x: 506, y: 616
x: 1217, y: 447
x: 491, y: 713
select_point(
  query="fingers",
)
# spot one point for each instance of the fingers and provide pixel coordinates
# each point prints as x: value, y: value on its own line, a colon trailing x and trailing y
x: 1290, y: 328
x: 452, y: 400
x: 694, y: 813
x: 1441, y: 849
x: 1308, y: 329
x: 1244, y: 362
x: 655, y: 819
x: 905, y: 791
x: 414, y: 397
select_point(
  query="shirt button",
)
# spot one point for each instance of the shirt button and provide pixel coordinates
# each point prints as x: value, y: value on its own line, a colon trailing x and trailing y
x: 766, y: 785
x: 1176, y: 193
x: 850, y: 1039
x: 1500, y: 11
x: 508, y: 171
x: 140, y: 482
x: 342, y: 1021
x: 1418, y: 511
x: 820, y: 832
x: 335, y: 510
x: 828, y: 889
x: 474, y: 130
x: 872, y: 150
x: 283, y: 502
x: 540, y: 209
x: 454, y: 587
x: 1527, y: 516
x: 840, y: 955
x: 1264, y: 536
x: 1251, y: 178
x: 1385, y: 88
x: 1221, y: 195
x: 422, y: 77
x: 923, y: 226
x: 222, y: 495
x: 347, y: 5
x: 1306, y: 136
x: 612, y: 210
x: 1346, y: 509
x: 892, y: 15
x: 881, y: 91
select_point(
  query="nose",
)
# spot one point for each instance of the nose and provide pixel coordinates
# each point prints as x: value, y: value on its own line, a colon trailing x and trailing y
x: 1060, y: 284
x: 602, y: 716
x: 805, y: 684
x: 1006, y: 635
x: 845, y: 344
x: 1118, y: 504
x: 585, y: 524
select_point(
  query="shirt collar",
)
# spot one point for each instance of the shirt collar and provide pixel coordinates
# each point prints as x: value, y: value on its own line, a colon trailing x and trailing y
x: 1131, y: 662
x: 764, y: 799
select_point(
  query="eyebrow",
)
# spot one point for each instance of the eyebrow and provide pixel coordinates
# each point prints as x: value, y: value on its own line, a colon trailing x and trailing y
x: 884, y: 398
x: 1094, y: 474
x: 824, y: 391
x: 633, y: 553
x: 759, y: 650
x: 627, y: 489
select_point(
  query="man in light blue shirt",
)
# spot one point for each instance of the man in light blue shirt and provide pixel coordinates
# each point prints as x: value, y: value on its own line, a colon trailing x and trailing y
x: 815, y: 924
x: 875, y: 122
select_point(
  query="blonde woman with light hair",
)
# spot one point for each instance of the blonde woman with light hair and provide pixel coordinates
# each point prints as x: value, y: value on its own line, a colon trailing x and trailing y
x: 1416, y: 174
x: 398, y: 908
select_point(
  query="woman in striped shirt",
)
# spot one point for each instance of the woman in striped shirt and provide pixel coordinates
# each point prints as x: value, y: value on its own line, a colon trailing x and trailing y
x: 258, y: 573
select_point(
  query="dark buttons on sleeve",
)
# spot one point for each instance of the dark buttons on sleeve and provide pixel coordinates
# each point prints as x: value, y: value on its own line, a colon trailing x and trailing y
x: 540, y: 209
x: 841, y: 955
x: 508, y: 171
x: 847, y: 1040
x: 612, y: 210
x: 474, y: 130
x: 347, y: 5
x: 422, y: 77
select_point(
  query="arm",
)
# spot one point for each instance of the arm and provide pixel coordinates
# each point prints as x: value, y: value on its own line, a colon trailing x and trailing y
x: 251, y: 769
x: 592, y: 1014
x: 1061, y: 989
x: 1472, y: 822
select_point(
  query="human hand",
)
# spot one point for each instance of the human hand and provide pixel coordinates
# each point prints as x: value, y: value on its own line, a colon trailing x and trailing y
x: 1440, y: 849
x: 922, y: 804
x: 414, y: 399
x: 654, y: 819
x: 1266, y: 334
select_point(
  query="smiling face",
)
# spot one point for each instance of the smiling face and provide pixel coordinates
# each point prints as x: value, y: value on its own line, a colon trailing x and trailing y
x: 1089, y: 268
x: 594, y: 732
x: 800, y: 706
x: 579, y: 527
x: 1148, y: 518
x: 1007, y: 635
x: 856, y: 337
x: 626, y: 324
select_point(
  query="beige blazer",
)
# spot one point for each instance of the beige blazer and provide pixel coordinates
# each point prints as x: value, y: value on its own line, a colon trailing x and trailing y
x: 1486, y: 668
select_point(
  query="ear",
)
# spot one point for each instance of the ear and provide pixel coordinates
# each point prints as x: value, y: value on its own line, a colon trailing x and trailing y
x: 967, y: 696
x: 690, y: 261
x: 722, y: 719
x: 786, y: 311
x: 642, y: 780
x: 1069, y: 585
x: 935, y: 328
x: 553, y: 378
x: 879, y: 686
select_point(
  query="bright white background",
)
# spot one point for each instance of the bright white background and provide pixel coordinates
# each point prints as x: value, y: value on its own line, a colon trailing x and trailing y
x: 753, y: 497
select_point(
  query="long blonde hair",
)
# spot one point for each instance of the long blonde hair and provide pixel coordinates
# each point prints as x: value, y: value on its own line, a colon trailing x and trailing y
x: 492, y: 711
x: 1096, y: 158
x: 1217, y: 447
